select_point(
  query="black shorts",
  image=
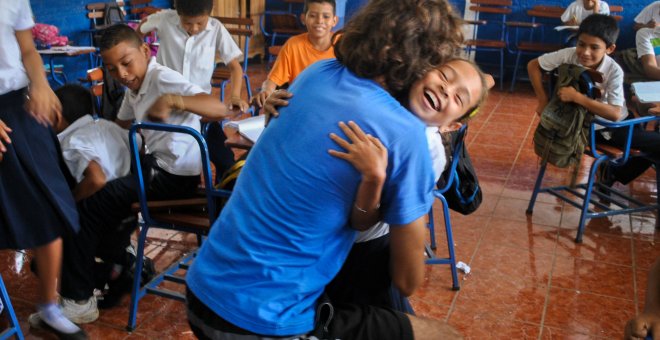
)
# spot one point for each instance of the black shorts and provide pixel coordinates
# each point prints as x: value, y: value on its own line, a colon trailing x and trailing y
x: 343, y: 321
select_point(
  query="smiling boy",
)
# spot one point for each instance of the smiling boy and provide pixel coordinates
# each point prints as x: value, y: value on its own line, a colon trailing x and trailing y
x: 304, y: 49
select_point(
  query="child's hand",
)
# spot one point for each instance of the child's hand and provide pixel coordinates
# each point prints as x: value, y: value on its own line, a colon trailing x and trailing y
x: 568, y: 94
x: 43, y: 105
x: 259, y: 99
x: 238, y: 103
x: 541, y: 106
x: 162, y: 108
x: 366, y: 153
x: 4, y: 138
x: 275, y: 100
x: 641, y: 326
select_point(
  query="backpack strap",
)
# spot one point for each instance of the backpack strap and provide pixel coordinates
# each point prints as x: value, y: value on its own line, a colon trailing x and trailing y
x: 231, y: 174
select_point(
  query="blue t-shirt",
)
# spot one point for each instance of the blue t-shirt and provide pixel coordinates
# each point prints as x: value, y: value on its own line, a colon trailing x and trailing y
x: 284, y: 233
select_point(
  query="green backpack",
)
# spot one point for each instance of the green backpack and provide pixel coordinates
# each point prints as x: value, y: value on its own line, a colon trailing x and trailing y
x: 563, y: 133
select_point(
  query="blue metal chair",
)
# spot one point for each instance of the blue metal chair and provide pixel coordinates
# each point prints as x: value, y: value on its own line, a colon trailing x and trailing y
x: 242, y: 30
x: 14, y: 328
x: 439, y: 193
x: 164, y: 214
x: 584, y: 199
x: 282, y: 25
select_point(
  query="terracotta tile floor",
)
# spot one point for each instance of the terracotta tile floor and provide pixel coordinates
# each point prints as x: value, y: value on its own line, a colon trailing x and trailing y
x: 529, y: 279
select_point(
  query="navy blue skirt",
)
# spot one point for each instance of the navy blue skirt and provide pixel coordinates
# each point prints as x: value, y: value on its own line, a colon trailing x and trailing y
x: 36, y: 204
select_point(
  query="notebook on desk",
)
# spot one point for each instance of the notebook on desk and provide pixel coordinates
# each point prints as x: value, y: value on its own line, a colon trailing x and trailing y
x: 647, y: 91
x: 250, y: 128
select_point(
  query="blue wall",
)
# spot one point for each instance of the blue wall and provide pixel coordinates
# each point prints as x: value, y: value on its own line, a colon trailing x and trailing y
x: 70, y: 16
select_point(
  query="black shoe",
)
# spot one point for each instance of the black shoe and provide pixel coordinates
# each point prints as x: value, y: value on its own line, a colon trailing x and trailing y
x: 117, y: 288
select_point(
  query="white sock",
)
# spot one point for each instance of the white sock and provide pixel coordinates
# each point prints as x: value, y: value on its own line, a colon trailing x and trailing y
x: 52, y: 315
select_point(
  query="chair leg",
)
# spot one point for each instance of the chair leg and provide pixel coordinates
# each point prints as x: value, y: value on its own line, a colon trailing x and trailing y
x: 222, y: 90
x: 247, y: 84
x: 537, y: 187
x: 14, y: 327
x: 135, y: 291
x: 515, y: 72
x: 431, y: 226
x: 450, y: 245
x: 502, y: 70
x: 587, y: 198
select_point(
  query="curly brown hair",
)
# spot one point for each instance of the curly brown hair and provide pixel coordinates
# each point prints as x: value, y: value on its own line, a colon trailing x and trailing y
x: 399, y: 40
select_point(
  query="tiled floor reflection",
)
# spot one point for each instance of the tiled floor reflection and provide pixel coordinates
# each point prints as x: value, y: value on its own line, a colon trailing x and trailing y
x: 529, y: 279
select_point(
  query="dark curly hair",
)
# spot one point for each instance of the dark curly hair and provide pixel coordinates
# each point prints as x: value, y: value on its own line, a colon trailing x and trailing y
x: 399, y: 40
x: 193, y: 8
x: 116, y: 34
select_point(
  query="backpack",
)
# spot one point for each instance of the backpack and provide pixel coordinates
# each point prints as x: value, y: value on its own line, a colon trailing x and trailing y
x: 46, y: 36
x: 464, y: 195
x: 562, y: 134
x: 112, y: 14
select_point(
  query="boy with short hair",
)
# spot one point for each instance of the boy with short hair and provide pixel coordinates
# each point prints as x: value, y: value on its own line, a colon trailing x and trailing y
x: 95, y: 150
x: 173, y: 161
x: 580, y: 9
x: 189, y: 40
x: 300, y: 51
x: 649, y: 17
x: 596, y: 40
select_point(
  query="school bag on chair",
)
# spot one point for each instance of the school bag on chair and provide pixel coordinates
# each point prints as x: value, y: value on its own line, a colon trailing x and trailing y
x: 563, y: 132
x: 464, y: 195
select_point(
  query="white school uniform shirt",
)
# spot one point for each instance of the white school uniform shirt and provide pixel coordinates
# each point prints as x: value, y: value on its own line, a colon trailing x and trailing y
x: 192, y: 56
x: 612, y: 85
x: 577, y: 10
x: 175, y: 153
x: 439, y: 162
x: 648, y: 42
x: 650, y: 12
x: 15, y: 15
x: 100, y: 140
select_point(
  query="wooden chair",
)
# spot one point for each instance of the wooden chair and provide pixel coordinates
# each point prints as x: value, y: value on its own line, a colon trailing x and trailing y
x: 96, y: 13
x: 139, y: 9
x: 14, y: 328
x: 530, y: 46
x: 616, y: 11
x: 240, y: 28
x: 195, y: 215
x: 492, y: 8
x: 282, y: 25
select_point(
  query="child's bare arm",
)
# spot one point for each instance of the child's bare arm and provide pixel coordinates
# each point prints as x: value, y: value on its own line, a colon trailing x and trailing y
x: 607, y: 111
x: 407, y: 255
x: 236, y: 79
x: 369, y: 156
x: 536, y: 78
x: 93, y: 181
x: 205, y: 105
x: 267, y: 88
x: 43, y: 104
x: 139, y: 28
x: 649, y: 320
x: 650, y: 65
x: 4, y: 138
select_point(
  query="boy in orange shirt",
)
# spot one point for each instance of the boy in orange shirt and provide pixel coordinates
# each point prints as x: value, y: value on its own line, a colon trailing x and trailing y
x: 302, y: 50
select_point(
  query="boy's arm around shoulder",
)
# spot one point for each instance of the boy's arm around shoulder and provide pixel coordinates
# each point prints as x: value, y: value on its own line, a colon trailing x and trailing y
x: 407, y: 255
x: 205, y: 105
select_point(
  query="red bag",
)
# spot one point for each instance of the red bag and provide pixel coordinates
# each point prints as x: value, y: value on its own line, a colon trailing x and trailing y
x: 48, y: 35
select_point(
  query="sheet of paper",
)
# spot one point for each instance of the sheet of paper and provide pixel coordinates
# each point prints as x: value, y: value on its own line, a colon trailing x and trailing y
x: 648, y: 91
x: 250, y: 128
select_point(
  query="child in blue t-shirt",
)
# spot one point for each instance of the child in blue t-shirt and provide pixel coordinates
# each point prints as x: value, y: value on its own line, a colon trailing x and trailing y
x: 441, y: 99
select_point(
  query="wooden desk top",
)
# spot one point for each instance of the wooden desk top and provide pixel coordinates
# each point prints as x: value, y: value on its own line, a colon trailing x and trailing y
x: 68, y: 50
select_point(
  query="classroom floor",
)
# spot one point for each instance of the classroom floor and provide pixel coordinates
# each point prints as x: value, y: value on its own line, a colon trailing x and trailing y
x: 528, y: 279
